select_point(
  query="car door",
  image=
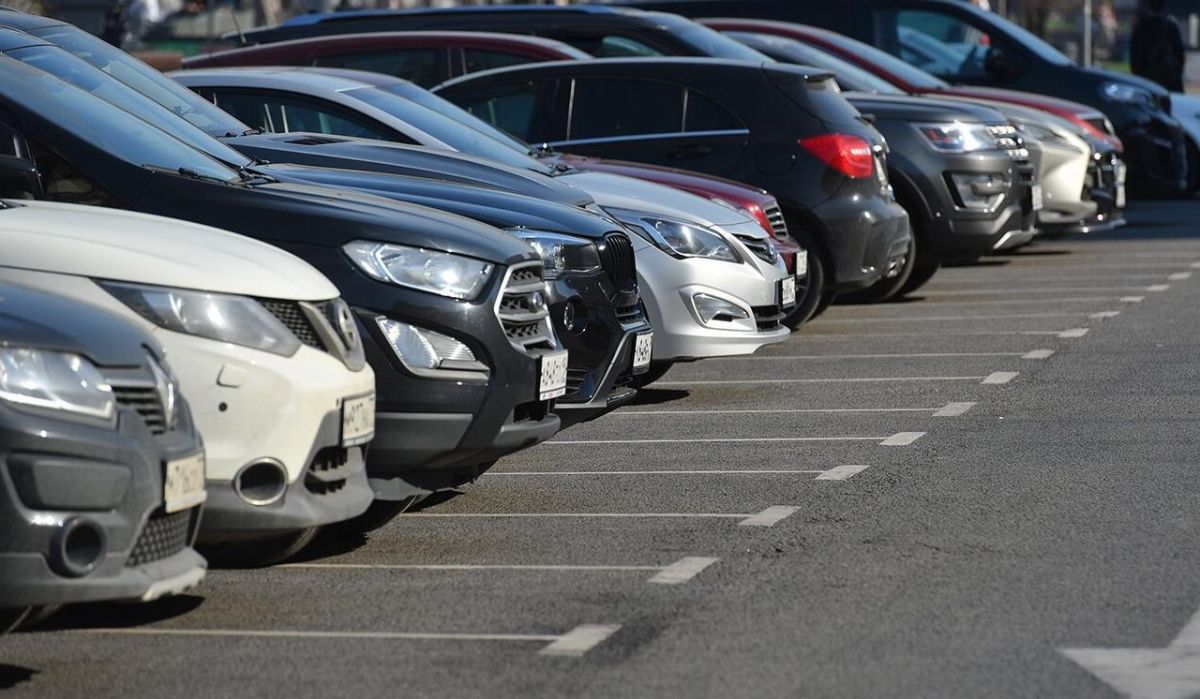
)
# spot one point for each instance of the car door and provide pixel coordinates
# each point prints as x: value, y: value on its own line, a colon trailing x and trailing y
x: 283, y: 112
x: 531, y: 110
x: 424, y: 65
x: 671, y: 125
x: 948, y: 44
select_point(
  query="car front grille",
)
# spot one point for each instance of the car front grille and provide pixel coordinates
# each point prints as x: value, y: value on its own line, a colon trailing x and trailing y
x: 616, y: 256
x: 777, y: 221
x: 163, y: 536
x: 768, y: 317
x: 145, y: 401
x: 291, y: 315
x: 761, y: 249
x: 522, y: 309
x: 575, y: 379
x: 629, y: 315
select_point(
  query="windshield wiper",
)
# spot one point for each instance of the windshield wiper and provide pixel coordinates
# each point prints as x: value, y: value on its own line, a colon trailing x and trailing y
x: 193, y: 175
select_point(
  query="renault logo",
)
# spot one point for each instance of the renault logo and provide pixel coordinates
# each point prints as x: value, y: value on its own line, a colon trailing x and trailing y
x: 345, y: 324
x: 164, y: 386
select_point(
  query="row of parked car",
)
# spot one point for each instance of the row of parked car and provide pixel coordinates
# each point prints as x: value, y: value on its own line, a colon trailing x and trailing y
x: 294, y: 287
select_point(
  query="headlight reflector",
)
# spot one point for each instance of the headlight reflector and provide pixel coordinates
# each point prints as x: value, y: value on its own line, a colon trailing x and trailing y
x: 425, y: 349
x: 560, y: 253
x: 1126, y: 94
x: 222, y: 317
x: 55, y: 381
x: 711, y: 308
x: 433, y: 271
x: 957, y: 137
x: 679, y: 238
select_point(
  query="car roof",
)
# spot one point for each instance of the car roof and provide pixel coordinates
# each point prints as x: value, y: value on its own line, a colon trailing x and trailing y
x: 646, y: 64
x: 320, y: 17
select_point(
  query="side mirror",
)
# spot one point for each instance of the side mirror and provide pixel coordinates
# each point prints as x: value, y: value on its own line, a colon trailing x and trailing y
x: 19, y: 178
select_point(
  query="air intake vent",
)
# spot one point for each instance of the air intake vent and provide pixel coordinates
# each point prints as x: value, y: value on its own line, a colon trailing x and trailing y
x: 146, y: 402
x: 778, y: 224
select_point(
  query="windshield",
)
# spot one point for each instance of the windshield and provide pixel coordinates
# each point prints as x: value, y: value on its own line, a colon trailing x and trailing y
x: 707, y: 42
x: 102, y: 125
x: 66, y: 67
x: 143, y: 79
x: 435, y: 116
x: 886, y: 61
x: 1028, y: 40
x: 848, y: 75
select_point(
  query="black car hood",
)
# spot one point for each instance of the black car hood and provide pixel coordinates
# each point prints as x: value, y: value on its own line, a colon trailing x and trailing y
x: 30, y: 318
x: 910, y: 108
x: 399, y: 159
x: 494, y: 207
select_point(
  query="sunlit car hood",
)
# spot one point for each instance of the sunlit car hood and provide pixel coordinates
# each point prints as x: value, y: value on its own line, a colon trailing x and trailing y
x: 629, y: 193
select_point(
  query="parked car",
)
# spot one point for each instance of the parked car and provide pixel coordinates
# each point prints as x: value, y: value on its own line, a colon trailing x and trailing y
x: 263, y: 347
x: 998, y: 54
x: 828, y: 168
x: 426, y: 58
x: 104, y: 467
x: 463, y: 376
x: 376, y: 101
x: 600, y: 31
x: 407, y: 55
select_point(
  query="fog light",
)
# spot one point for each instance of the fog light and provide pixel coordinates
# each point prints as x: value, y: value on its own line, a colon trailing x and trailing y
x: 574, y: 318
x: 980, y: 191
x: 711, y: 308
x: 419, y: 348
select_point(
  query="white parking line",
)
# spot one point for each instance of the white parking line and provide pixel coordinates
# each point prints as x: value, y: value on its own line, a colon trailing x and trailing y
x: 1038, y: 354
x: 999, y: 377
x: 769, y: 517
x: 659, y: 472
x: 1195, y: 265
x: 1103, y: 315
x: 877, y: 379
x: 717, y: 440
x: 914, y: 355
x: 1158, y: 287
x: 1009, y: 302
x: 1073, y: 332
x: 1179, y: 276
x: 1037, y: 290
x: 1132, y: 299
x: 1001, y: 316
x: 786, y: 411
x: 953, y: 409
x: 816, y: 336
x: 575, y: 642
x: 841, y: 473
x: 902, y: 439
x: 682, y: 570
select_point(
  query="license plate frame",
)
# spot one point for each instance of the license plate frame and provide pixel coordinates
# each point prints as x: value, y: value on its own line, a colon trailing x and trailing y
x: 552, y: 375
x: 1037, y: 197
x: 358, y: 420
x: 643, y: 350
x: 787, y: 291
x: 183, y: 483
x: 801, y: 265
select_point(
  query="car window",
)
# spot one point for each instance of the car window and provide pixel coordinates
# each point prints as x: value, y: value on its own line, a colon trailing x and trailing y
x: 420, y: 65
x: 623, y: 47
x: 476, y: 60
x: 871, y: 56
x: 284, y: 114
x: 510, y: 107
x: 609, y: 107
x: 941, y: 44
x: 704, y: 114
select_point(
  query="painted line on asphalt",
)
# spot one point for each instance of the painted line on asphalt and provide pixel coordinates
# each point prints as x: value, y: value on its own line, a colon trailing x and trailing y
x: 766, y: 411
x: 813, y: 335
x: 1011, y: 302
x: 1158, y: 288
x: 1000, y: 316
x: 1102, y: 315
x: 575, y: 642
x: 877, y: 379
x: 901, y: 439
x: 1195, y: 265
x: 682, y: 570
x: 1073, y: 333
x: 660, y: 472
x: 1038, y: 354
x: 999, y: 377
x: 678, y: 572
x: 712, y: 440
x: 954, y: 409
x: 841, y: 473
x: 1028, y: 290
x: 1132, y: 299
x: 977, y: 277
x: 769, y: 517
x: 1179, y: 276
x: 913, y: 355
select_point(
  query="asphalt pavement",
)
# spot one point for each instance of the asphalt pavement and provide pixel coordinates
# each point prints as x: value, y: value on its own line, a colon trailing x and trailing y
x: 987, y: 491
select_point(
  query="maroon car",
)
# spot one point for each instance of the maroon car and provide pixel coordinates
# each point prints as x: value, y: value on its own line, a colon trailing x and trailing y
x: 432, y: 57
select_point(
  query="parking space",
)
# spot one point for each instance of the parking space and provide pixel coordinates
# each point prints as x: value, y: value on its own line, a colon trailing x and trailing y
x: 606, y: 545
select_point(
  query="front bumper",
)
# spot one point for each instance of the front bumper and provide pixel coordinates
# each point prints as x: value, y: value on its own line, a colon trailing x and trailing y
x: 1156, y: 153
x: 863, y: 235
x: 1102, y: 200
x: 56, y: 474
x: 956, y: 232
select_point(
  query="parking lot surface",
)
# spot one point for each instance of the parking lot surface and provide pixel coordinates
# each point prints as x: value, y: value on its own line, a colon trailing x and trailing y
x: 986, y: 491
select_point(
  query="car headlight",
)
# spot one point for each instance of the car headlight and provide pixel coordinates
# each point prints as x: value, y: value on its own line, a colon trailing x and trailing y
x: 55, y: 381
x: 1127, y: 94
x: 561, y: 254
x: 678, y: 238
x: 1038, y: 132
x: 957, y: 137
x: 239, y: 320
x: 433, y: 271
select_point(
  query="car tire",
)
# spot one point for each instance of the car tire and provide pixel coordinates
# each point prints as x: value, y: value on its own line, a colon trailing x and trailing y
x: 656, y: 371
x: 260, y: 553
x: 812, y: 298
x: 886, y: 289
x: 11, y: 618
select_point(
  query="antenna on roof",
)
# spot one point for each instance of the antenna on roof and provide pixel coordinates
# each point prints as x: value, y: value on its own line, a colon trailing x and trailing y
x: 237, y: 26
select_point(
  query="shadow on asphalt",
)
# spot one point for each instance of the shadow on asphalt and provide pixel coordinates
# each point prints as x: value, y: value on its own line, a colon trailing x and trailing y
x: 655, y: 396
x: 117, y: 615
x: 13, y: 675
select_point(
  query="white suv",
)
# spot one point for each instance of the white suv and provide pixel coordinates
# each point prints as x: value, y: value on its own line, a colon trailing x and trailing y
x: 266, y: 353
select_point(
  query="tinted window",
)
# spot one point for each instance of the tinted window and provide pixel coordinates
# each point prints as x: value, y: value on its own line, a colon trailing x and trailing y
x: 703, y: 114
x: 476, y: 60
x: 607, y: 107
x: 623, y: 47
x: 418, y: 65
x: 705, y: 41
x: 941, y: 44
x: 849, y: 76
x: 512, y: 108
x: 283, y: 114
x: 142, y: 78
x: 871, y: 56
x: 822, y: 98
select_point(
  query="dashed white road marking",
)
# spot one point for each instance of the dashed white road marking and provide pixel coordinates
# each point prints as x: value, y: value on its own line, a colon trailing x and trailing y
x: 999, y: 377
x: 954, y: 409
x: 909, y: 319
x: 1006, y: 302
x: 901, y: 439
x: 873, y: 379
x: 661, y: 472
x: 1041, y: 291
x: 764, y: 411
x: 1103, y: 315
x: 1038, y: 354
x: 682, y: 570
x: 1195, y: 265
x: 841, y: 473
x: 580, y: 639
x: 1179, y: 276
x: 1158, y: 287
x: 810, y: 337
x: 717, y: 440
x: 769, y: 517
x: 1132, y: 299
x: 913, y: 355
x: 1073, y: 332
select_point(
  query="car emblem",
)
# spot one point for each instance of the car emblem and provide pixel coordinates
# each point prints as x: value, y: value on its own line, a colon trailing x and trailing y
x: 345, y: 324
x: 164, y: 386
x: 537, y: 302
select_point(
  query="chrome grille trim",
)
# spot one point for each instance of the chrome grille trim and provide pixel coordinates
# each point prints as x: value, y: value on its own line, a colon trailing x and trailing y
x: 525, y: 321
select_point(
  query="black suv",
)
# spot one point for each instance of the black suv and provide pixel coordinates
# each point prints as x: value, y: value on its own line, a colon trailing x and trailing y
x: 466, y: 361
x: 783, y: 128
x: 89, y: 430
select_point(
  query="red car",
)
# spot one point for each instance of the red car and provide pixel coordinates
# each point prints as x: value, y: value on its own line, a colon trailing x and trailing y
x: 916, y: 81
x: 429, y: 58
